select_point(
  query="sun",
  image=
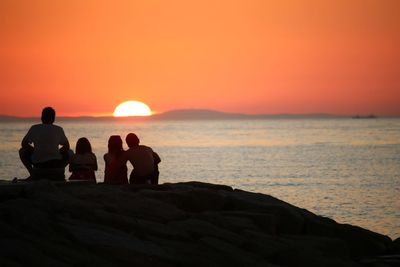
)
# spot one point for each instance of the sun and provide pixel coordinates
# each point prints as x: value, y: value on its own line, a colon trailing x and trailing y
x: 132, y: 108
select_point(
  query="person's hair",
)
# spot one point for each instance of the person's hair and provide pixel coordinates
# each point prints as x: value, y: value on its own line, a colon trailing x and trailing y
x: 132, y: 140
x: 48, y: 115
x: 83, y: 146
x: 115, y: 144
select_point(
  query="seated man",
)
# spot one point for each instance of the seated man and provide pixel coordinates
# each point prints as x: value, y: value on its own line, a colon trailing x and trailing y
x: 40, y: 146
x: 144, y: 161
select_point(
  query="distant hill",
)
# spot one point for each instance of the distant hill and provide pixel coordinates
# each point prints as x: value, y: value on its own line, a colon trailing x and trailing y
x: 198, y: 114
x: 15, y: 118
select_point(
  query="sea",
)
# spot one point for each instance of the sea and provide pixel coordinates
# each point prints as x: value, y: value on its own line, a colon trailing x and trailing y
x: 343, y: 168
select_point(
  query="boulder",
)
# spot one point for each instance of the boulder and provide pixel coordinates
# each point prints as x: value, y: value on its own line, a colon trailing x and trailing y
x: 183, y: 224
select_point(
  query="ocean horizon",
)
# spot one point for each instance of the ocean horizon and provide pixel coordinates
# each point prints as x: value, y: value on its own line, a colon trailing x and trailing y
x: 205, y: 114
x: 343, y: 168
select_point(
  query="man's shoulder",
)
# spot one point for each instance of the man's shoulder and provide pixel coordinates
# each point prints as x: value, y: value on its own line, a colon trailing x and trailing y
x: 133, y: 151
x: 47, y: 129
x: 145, y: 147
x: 57, y: 127
x: 42, y: 125
x: 36, y: 126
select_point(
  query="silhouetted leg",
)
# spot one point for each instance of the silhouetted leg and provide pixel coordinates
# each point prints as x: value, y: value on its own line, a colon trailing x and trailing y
x: 154, y: 177
x: 25, y: 156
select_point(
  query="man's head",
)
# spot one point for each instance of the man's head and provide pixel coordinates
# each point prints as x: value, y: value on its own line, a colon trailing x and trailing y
x: 132, y: 140
x: 48, y: 115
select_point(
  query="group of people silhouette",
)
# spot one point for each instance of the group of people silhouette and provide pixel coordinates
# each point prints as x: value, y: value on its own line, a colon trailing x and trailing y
x: 45, y: 147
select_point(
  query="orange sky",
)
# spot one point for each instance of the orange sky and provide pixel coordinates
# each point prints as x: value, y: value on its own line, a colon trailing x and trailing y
x: 250, y: 56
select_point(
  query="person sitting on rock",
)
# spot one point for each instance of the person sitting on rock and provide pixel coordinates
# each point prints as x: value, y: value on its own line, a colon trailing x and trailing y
x: 83, y: 163
x: 41, y: 145
x: 144, y: 161
x: 115, y: 173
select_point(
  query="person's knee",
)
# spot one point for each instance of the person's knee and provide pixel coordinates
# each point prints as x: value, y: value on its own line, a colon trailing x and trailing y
x: 26, y: 158
x: 24, y: 153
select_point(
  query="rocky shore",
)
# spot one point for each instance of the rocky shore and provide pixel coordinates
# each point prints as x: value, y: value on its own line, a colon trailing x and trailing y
x: 183, y: 224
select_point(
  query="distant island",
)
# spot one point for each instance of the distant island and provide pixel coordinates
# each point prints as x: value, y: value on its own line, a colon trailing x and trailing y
x: 372, y: 116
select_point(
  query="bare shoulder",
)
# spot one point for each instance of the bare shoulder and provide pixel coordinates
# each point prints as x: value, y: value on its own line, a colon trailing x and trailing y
x: 146, y: 148
x: 128, y: 153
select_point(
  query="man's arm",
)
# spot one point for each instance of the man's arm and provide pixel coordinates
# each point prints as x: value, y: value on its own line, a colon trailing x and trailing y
x: 64, y: 143
x: 26, y: 141
x: 156, y: 157
x: 95, y: 163
x: 71, y: 167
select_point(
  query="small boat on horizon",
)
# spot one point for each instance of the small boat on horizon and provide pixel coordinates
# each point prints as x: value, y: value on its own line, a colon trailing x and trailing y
x: 372, y: 116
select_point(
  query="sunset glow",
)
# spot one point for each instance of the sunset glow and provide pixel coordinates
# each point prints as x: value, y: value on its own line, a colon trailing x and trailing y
x: 132, y: 108
x: 258, y: 56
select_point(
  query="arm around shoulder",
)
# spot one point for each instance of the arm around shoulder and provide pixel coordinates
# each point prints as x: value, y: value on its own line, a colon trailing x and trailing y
x: 94, y: 162
x: 156, y: 157
x: 64, y: 141
x: 26, y: 141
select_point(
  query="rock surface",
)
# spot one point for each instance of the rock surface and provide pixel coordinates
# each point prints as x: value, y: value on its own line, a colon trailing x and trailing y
x: 183, y: 224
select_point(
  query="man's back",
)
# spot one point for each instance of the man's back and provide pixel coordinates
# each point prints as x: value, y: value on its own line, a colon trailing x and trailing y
x: 46, y: 139
x: 141, y: 158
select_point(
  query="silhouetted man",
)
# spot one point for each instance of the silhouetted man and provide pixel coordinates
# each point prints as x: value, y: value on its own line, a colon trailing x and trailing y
x: 144, y: 161
x: 41, y: 145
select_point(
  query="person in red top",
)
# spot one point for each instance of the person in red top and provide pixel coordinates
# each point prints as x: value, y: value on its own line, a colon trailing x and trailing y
x: 115, y: 173
x: 83, y: 163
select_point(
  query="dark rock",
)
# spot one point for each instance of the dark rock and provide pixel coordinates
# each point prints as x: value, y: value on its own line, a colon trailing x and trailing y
x: 184, y: 224
x: 266, y: 223
x: 287, y: 218
x: 188, y: 199
x: 23, y: 253
x: 198, y: 185
x: 199, y: 228
x: 9, y: 191
x: 231, y: 254
x: 382, y: 261
x: 361, y: 242
x: 395, y: 247
x: 229, y: 222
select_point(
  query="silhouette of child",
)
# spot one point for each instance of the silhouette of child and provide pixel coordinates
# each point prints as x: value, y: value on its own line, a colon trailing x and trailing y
x: 83, y: 163
x: 115, y: 173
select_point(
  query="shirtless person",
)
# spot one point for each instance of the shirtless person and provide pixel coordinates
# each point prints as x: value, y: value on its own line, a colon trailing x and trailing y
x: 144, y: 161
x: 40, y: 146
